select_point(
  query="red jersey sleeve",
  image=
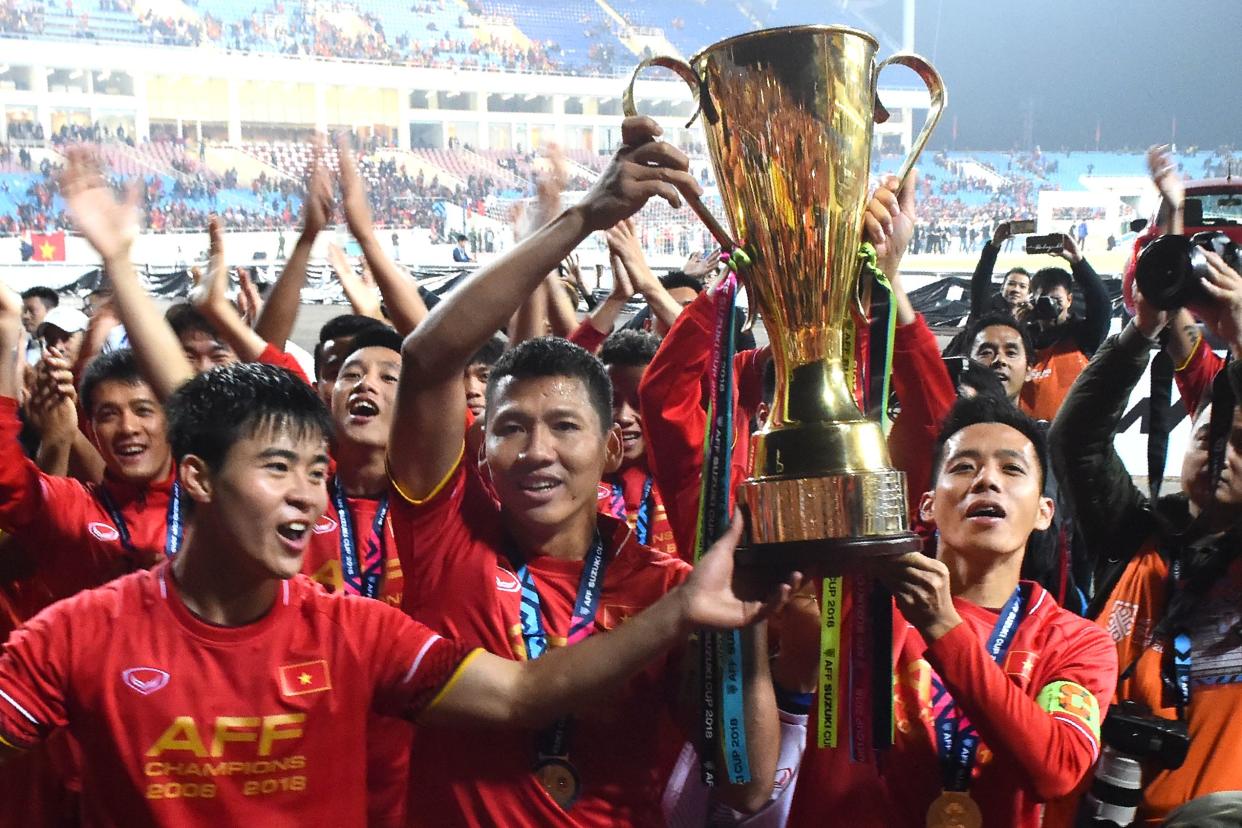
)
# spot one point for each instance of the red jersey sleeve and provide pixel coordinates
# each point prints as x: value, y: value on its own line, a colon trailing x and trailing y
x: 926, y: 392
x: 411, y: 663
x: 1194, y: 377
x: 1054, y: 739
x: 748, y: 369
x: 587, y: 336
x: 34, y: 679
x: 25, y: 491
x: 274, y: 356
x: 671, y: 401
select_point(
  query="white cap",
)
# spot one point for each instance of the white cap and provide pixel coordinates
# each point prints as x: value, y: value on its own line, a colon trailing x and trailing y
x: 69, y: 320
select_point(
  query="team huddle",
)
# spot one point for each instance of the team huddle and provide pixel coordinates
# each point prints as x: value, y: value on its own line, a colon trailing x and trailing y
x: 450, y: 579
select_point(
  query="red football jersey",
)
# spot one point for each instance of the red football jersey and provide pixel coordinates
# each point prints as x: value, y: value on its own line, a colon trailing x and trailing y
x: 462, y: 585
x: 64, y: 525
x: 632, y: 481
x: 1037, y: 715
x: 672, y: 396
x: 282, y: 359
x: 388, y: 741
x: 181, y: 722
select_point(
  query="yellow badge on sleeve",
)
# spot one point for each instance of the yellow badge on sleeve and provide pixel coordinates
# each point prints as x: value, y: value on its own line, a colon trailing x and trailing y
x: 1073, y: 700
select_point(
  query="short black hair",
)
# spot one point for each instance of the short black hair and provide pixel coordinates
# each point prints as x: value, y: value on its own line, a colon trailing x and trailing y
x: 1021, y: 270
x: 185, y: 318
x: 1003, y: 320
x: 679, y: 279
x: 113, y: 366
x: 629, y: 348
x: 968, y: 411
x: 346, y: 324
x: 490, y: 352
x: 1048, y: 278
x: 46, y: 295
x: 210, y: 413
x: 378, y: 337
x: 964, y: 371
x: 550, y: 356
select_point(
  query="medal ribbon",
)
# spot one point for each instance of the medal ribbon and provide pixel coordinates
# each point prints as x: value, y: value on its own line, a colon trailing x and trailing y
x: 957, y: 741
x: 174, y: 521
x: 616, y: 508
x: 554, y: 740
x: 360, y: 576
x: 723, y: 698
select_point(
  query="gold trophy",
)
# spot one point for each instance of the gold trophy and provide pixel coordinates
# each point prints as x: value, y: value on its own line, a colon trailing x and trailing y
x: 788, y: 114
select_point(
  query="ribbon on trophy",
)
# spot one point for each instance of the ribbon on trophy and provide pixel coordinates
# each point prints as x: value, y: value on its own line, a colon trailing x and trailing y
x: 720, y: 658
x: 868, y: 706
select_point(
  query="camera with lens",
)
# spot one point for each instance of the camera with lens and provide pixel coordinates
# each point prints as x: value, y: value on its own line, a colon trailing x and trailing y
x: 1131, y: 736
x: 1046, y: 307
x: 1171, y: 269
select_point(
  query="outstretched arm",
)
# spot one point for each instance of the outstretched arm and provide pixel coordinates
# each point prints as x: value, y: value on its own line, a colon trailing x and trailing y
x: 429, y: 401
x: 111, y: 227
x: 211, y: 298
x: 623, y: 244
x: 362, y: 296
x: 280, y: 311
x: 400, y: 292
x: 491, y: 689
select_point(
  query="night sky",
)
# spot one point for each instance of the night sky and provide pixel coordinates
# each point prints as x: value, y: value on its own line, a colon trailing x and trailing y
x: 1130, y: 65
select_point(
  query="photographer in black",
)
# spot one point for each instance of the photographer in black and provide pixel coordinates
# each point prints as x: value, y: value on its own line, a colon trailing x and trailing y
x: 1014, y: 296
x: 1168, y: 579
x: 1063, y: 342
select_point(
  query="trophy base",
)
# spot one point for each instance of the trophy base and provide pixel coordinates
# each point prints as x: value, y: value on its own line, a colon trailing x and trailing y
x: 859, y: 506
x: 827, y: 557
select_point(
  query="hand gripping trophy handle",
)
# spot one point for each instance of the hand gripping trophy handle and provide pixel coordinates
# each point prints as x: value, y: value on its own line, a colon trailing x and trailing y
x: 788, y: 115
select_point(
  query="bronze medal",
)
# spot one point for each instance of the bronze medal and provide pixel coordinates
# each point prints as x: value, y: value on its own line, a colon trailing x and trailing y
x: 954, y: 809
x: 560, y: 780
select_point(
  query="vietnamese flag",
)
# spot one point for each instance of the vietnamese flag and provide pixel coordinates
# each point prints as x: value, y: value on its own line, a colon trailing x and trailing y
x: 48, y: 247
x: 307, y: 677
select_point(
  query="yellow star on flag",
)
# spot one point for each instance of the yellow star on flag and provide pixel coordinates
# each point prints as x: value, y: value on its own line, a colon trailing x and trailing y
x: 47, y: 250
x: 304, y: 679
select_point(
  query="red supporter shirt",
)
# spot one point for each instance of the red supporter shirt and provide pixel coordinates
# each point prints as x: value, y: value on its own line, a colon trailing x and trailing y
x: 462, y: 585
x: 64, y: 523
x: 631, y: 481
x: 1037, y: 715
x: 186, y: 723
x: 926, y: 392
x: 1051, y: 375
x: 388, y: 741
x: 674, y: 418
x: 274, y: 356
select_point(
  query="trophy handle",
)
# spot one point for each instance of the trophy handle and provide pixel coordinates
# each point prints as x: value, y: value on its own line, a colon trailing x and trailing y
x: 939, y: 97
x: 684, y: 71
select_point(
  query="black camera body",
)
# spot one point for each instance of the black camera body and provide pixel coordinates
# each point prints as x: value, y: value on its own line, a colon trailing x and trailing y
x: 1130, y: 728
x: 1171, y: 270
x: 1047, y: 308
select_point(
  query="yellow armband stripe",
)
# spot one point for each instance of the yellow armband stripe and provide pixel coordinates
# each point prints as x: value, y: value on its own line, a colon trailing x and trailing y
x: 1072, y: 700
x: 457, y: 674
x: 1199, y: 343
x: 419, y: 501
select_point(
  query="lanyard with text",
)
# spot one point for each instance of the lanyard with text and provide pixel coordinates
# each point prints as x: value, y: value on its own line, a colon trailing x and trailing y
x: 552, y: 767
x: 642, y: 528
x: 956, y: 739
x: 1179, y: 657
x: 720, y: 654
x: 360, y: 575
x: 174, y: 524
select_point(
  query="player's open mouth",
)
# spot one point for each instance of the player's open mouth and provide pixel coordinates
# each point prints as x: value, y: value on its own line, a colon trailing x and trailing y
x: 294, y: 531
x: 986, y: 510
x: 129, y: 452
